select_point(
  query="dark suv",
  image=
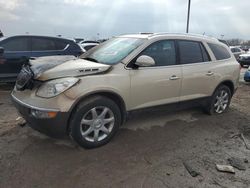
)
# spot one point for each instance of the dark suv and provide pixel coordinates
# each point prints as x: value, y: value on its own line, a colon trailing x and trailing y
x: 19, y: 49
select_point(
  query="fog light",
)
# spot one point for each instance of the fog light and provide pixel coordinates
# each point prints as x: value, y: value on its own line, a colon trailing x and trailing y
x: 42, y: 114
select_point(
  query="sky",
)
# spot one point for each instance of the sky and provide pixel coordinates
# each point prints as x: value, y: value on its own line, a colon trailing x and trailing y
x: 92, y: 19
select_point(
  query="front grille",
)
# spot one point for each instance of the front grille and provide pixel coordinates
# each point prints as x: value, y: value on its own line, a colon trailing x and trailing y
x: 24, y: 78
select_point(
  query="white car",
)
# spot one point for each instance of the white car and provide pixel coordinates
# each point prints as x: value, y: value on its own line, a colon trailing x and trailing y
x: 236, y: 51
x: 244, y: 59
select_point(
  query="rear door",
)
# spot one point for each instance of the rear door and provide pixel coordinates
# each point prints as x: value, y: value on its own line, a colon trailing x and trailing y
x: 197, y: 70
x: 17, y: 51
x: 159, y: 84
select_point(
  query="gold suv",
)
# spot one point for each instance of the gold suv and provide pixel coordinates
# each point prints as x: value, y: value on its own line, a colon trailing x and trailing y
x: 88, y: 97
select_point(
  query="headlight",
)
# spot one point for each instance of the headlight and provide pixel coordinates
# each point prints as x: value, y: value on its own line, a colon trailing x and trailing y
x: 55, y: 87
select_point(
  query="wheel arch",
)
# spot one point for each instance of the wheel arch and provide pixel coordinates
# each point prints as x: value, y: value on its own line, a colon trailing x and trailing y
x: 229, y: 84
x: 109, y: 94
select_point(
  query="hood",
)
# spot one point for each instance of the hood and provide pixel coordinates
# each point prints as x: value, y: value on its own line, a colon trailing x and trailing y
x: 64, y: 66
x: 41, y: 64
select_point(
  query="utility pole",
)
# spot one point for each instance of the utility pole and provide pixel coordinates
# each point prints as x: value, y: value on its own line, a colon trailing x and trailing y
x: 189, y: 3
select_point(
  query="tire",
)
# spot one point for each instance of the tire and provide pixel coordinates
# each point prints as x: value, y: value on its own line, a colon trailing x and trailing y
x: 224, y: 95
x: 94, y: 122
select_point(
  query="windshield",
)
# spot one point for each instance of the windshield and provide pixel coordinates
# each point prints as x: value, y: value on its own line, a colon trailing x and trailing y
x: 114, y: 50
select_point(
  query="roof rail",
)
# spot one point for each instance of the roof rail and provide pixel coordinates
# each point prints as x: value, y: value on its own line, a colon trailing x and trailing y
x: 146, y: 33
x: 185, y: 34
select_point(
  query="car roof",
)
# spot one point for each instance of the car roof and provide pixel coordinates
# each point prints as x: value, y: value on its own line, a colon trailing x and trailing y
x: 42, y: 36
x: 177, y: 35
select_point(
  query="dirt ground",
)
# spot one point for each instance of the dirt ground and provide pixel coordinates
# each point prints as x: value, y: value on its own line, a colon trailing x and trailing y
x: 148, y: 151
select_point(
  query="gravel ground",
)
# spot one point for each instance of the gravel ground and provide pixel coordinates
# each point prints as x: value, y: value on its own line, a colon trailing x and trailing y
x: 148, y: 151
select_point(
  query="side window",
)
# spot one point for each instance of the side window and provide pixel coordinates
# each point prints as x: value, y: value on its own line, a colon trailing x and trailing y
x: 60, y: 44
x: 17, y: 44
x: 43, y: 44
x: 163, y: 52
x: 219, y: 52
x: 191, y: 52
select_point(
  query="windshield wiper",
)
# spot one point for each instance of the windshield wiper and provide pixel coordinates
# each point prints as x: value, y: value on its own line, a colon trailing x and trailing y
x: 91, y: 59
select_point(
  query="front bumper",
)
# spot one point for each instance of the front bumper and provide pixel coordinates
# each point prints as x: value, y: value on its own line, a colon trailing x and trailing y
x: 54, y: 127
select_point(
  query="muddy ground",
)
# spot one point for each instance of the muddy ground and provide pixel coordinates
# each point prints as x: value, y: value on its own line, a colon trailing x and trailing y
x: 148, y: 151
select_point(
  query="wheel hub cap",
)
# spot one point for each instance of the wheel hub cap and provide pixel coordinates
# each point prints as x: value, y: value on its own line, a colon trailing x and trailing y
x: 97, y: 123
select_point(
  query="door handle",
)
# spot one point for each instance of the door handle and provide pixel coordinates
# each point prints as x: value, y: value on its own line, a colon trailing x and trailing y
x: 209, y: 73
x: 174, y: 77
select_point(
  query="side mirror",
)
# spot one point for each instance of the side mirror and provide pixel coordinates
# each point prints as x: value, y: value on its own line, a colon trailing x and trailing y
x: 145, y: 61
x: 1, y: 51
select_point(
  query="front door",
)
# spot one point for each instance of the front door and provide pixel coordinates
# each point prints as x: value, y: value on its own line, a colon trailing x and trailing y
x: 159, y: 84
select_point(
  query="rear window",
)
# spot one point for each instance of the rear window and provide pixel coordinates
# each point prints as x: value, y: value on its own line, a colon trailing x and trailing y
x: 219, y: 52
x: 60, y: 45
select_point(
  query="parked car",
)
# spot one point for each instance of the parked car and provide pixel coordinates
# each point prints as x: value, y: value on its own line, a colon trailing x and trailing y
x: 244, y: 59
x: 247, y: 75
x: 245, y: 48
x: 236, y: 51
x: 89, y: 98
x: 19, y: 49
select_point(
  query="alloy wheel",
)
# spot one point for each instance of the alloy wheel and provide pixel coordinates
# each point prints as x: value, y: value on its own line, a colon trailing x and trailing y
x: 221, y: 102
x: 97, y: 124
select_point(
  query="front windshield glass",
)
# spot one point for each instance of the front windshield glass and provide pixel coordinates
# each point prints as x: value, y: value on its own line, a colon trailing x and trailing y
x: 114, y: 50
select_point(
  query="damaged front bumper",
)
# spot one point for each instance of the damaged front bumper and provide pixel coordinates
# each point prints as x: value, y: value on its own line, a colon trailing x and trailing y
x: 51, y: 122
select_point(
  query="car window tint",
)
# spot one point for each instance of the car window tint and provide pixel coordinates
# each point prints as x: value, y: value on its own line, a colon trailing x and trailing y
x: 163, y: 52
x: 43, y: 44
x: 190, y: 52
x: 219, y: 52
x: 16, y: 44
x: 60, y: 45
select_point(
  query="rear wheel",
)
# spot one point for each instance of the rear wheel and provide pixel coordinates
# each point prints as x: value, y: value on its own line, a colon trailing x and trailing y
x: 95, y: 122
x: 220, y: 100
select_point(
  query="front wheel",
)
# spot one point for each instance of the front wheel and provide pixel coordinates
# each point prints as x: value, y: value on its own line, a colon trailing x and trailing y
x: 95, y: 121
x: 220, y: 100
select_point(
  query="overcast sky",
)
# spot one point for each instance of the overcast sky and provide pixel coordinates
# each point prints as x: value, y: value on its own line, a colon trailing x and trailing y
x: 86, y: 18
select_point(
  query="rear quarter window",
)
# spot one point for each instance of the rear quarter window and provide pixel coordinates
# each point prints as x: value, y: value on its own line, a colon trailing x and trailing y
x: 220, y: 52
x: 60, y: 44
